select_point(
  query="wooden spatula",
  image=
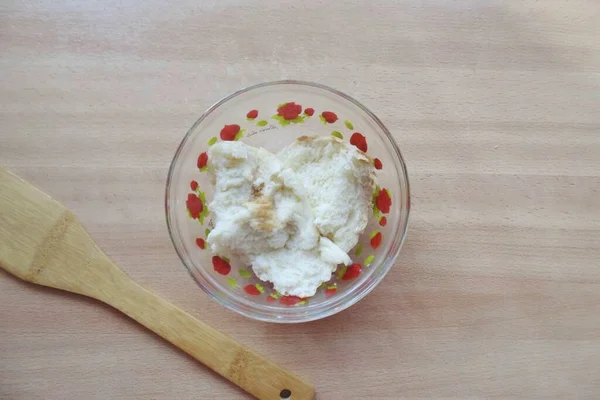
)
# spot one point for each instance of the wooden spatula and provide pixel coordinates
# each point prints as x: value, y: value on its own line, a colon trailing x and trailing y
x: 42, y: 242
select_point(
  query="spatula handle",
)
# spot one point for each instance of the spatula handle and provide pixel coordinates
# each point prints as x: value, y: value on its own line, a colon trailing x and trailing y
x: 250, y: 371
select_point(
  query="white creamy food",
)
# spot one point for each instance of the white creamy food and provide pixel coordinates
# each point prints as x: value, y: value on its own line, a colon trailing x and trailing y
x: 338, y: 181
x: 292, y: 216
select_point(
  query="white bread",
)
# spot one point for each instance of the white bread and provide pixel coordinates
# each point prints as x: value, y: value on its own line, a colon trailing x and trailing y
x: 242, y: 203
x: 338, y: 180
x: 264, y: 219
x: 299, y: 272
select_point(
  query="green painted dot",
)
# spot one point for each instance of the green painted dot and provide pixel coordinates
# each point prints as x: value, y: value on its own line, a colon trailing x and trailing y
x: 337, y: 135
x: 348, y: 124
x: 262, y: 123
x: 206, y: 232
x: 212, y: 140
x: 359, y: 250
x: 282, y: 121
x: 232, y: 282
x: 244, y: 273
x: 369, y: 259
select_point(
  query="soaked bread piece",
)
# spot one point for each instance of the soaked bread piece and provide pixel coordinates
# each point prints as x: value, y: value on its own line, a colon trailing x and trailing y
x: 338, y: 180
x: 263, y: 218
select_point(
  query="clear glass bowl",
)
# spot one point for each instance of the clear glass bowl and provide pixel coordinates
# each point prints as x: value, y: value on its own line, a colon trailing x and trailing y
x: 251, y: 115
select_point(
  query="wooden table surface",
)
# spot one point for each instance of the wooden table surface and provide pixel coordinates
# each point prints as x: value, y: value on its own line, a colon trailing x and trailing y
x: 495, y: 105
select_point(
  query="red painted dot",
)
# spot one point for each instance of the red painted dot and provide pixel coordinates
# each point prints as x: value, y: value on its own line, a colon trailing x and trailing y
x: 330, y: 292
x: 194, y: 205
x: 202, y: 160
x: 193, y: 185
x: 200, y: 243
x: 359, y: 141
x: 383, y: 201
x: 229, y: 132
x: 251, y: 290
x: 309, y: 111
x: 378, y: 164
x: 329, y: 116
x: 221, y: 266
x: 352, y: 272
x: 289, y: 111
x: 271, y: 299
x: 376, y: 240
x: 252, y: 114
x: 289, y: 300
x: 383, y: 221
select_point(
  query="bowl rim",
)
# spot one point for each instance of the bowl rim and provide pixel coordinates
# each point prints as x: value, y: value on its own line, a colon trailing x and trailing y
x: 248, y: 309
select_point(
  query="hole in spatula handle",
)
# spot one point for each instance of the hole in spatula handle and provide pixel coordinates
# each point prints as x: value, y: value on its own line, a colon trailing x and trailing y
x: 285, y: 394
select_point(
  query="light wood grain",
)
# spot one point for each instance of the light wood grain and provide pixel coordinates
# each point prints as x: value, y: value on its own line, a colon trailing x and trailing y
x: 42, y: 242
x: 495, y: 105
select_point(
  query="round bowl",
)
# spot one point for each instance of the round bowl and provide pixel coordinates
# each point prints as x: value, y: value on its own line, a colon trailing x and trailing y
x: 255, y: 116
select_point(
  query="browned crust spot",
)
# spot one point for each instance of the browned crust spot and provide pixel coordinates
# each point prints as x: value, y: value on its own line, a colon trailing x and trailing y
x: 264, y: 216
x: 257, y: 191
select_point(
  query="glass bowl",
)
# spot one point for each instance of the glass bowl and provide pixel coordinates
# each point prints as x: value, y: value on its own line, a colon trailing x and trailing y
x: 251, y: 115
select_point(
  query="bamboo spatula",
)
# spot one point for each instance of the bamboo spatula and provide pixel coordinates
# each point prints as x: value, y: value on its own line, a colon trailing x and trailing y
x: 42, y: 242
